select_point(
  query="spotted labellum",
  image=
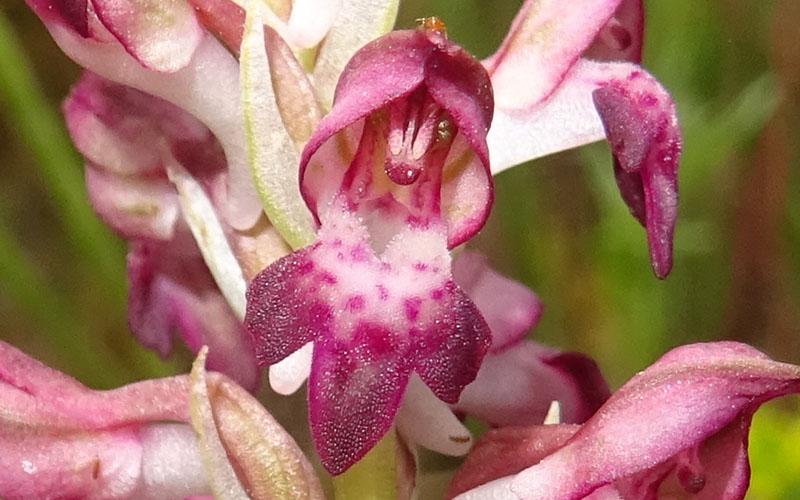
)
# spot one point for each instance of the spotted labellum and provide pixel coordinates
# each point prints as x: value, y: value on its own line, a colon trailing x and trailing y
x: 396, y: 175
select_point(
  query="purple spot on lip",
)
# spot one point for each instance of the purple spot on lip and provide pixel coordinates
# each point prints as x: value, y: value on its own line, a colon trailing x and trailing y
x: 412, y: 307
x: 359, y: 254
x: 305, y: 268
x: 355, y: 303
x: 326, y: 277
x: 648, y: 100
x: 383, y: 294
x: 420, y: 266
x: 437, y: 294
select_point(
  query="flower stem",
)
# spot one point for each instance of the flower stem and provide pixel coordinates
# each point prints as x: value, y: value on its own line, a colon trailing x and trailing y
x: 374, y: 477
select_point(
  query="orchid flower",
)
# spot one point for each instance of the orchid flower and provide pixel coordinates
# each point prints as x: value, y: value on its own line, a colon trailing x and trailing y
x: 676, y: 430
x: 164, y: 439
x: 550, y: 98
x: 397, y: 173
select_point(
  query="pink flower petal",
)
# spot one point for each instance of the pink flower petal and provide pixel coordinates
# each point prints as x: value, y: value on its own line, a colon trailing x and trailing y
x: 628, y: 105
x: 642, y: 129
x: 517, y: 385
x: 211, y: 67
x: 510, y: 308
x: 373, y: 319
x: 133, y: 208
x: 545, y: 40
x: 355, y: 390
x: 162, y: 36
x: 172, y: 290
x: 502, y: 452
x: 387, y: 84
x: 127, y: 137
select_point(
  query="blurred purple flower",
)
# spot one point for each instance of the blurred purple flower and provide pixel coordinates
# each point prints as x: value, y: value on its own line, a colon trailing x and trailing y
x: 130, y: 141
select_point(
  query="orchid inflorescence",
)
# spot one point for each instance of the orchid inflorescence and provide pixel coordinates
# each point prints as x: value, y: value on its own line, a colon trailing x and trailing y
x: 295, y: 182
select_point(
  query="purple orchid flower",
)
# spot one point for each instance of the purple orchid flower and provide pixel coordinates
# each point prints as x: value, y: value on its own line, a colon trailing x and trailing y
x: 550, y: 98
x: 676, y: 430
x: 396, y: 174
x: 164, y: 439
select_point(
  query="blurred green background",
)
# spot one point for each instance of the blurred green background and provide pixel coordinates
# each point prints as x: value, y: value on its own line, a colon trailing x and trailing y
x: 559, y: 225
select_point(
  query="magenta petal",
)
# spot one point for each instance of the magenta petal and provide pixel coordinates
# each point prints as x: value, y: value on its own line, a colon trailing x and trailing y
x: 517, y: 385
x: 74, y: 13
x: 460, y: 84
x: 415, y: 103
x: 451, y: 353
x: 642, y: 128
x: 374, y: 319
x: 283, y: 313
x: 510, y: 308
x: 354, y: 392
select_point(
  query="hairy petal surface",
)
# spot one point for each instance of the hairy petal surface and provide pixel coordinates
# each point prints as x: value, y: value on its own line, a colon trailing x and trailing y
x: 642, y: 128
x: 680, y: 426
x: 374, y: 321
